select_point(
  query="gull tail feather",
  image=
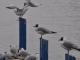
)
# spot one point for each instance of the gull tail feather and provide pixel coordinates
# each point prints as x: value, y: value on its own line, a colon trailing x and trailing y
x: 53, y: 32
x: 78, y: 49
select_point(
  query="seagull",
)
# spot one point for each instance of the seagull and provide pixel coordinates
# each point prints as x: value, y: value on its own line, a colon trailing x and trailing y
x: 68, y: 45
x: 18, y: 11
x: 14, y: 51
x: 42, y: 30
x: 31, y: 4
x: 7, y: 55
x: 32, y: 57
x: 23, y: 53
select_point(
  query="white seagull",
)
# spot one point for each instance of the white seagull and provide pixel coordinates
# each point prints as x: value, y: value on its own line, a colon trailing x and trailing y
x: 68, y: 45
x: 31, y: 4
x: 23, y: 53
x: 18, y: 11
x: 32, y: 57
x: 42, y: 30
x: 14, y: 51
x: 7, y: 55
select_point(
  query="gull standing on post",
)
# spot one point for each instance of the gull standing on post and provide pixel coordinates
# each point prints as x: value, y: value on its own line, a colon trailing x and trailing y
x: 42, y: 30
x: 18, y: 11
x: 68, y: 45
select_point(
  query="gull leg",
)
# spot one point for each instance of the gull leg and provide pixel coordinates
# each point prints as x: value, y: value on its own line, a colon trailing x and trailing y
x: 18, y: 18
x: 68, y: 52
x: 41, y: 37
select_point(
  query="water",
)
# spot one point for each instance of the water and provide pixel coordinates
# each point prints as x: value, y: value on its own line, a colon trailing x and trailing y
x: 62, y: 16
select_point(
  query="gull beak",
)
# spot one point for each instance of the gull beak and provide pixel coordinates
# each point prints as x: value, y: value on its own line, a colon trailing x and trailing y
x: 59, y: 40
x: 10, y: 45
x: 34, y: 26
x: 7, y: 7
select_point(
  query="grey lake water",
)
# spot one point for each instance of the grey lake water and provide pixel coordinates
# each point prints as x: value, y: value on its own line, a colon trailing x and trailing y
x: 62, y: 16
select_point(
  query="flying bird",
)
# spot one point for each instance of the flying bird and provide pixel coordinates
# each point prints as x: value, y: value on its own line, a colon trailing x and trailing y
x: 18, y: 11
x: 68, y: 45
x: 42, y: 30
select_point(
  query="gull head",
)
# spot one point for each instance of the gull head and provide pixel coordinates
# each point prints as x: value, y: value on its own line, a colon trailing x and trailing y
x: 62, y: 38
x: 11, y: 45
x: 5, y: 52
x: 36, y: 25
x: 26, y: 4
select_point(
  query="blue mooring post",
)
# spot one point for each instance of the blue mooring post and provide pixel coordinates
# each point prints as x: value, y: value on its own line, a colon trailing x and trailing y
x: 22, y: 33
x: 2, y: 57
x: 43, y: 49
x: 69, y: 57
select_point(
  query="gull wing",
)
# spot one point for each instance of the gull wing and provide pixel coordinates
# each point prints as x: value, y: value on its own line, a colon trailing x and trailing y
x: 12, y: 7
x: 70, y: 45
x: 44, y: 30
x: 32, y: 4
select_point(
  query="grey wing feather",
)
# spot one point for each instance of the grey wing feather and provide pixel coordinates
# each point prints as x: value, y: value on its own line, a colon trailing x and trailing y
x: 20, y: 9
x: 32, y: 4
x: 44, y: 30
x: 16, y: 7
x: 30, y: 57
x: 70, y: 45
x: 75, y: 46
